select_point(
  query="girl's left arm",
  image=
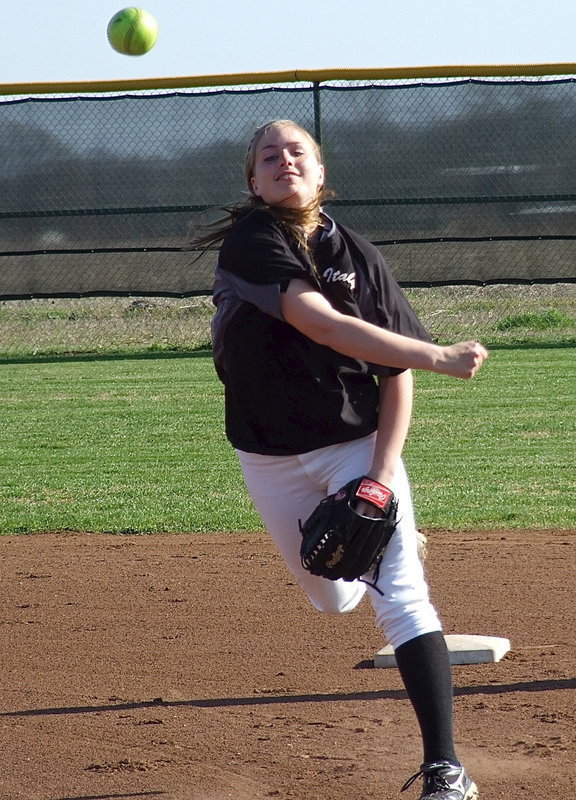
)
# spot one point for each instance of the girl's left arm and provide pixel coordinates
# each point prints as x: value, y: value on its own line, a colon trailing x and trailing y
x: 394, y: 416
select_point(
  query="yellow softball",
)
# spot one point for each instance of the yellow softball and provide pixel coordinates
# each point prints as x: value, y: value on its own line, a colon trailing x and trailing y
x: 132, y: 31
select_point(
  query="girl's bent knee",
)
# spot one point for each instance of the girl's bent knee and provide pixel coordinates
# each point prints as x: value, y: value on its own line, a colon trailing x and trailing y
x: 341, y: 600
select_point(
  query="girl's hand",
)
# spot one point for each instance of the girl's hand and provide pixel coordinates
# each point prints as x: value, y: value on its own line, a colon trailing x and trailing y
x: 367, y: 510
x: 462, y: 360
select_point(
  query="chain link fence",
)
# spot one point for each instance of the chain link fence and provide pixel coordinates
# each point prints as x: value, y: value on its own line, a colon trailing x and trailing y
x: 467, y: 185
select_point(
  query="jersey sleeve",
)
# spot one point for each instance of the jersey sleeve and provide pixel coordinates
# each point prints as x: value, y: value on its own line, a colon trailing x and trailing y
x: 229, y: 290
x: 256, y: 263
x: 257, y: 251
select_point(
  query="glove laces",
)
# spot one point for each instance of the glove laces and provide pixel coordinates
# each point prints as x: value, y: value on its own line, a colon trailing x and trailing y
x: 374, y: 581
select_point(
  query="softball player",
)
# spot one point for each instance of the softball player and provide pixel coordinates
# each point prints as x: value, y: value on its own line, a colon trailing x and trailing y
x: 314, y: 342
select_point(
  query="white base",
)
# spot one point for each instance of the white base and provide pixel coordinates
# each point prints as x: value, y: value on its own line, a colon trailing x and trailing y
x: 462, y: 649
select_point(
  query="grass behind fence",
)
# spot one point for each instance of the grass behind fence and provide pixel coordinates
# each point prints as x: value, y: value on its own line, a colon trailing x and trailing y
x: 137, y: 445
x: 502, y: 314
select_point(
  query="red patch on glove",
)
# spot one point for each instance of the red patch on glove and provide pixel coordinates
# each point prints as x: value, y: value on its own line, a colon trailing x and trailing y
x: 374, y: 492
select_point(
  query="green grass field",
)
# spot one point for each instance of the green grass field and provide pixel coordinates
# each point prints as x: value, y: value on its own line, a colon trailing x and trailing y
x: 136, y: 444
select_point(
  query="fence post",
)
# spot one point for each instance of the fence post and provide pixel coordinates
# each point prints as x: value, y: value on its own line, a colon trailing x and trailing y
x: 317, y: 113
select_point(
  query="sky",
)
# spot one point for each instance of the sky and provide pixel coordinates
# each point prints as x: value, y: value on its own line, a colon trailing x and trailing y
x: 62, y: 40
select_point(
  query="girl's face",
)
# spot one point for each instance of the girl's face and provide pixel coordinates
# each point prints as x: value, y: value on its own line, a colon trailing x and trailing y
x: 286, y: 168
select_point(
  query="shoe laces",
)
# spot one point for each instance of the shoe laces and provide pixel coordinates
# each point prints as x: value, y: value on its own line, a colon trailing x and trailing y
x: 432, y: 773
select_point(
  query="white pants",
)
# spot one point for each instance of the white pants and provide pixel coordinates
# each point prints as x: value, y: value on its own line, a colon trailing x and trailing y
x: 286, y: 489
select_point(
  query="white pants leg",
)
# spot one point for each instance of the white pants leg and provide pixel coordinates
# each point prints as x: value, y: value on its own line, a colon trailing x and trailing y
x: 286, y: 489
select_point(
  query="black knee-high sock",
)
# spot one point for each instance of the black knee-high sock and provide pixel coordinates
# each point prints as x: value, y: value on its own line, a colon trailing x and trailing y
x: 425, y: 668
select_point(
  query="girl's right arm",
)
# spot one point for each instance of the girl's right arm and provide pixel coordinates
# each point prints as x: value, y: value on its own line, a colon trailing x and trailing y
x: 311, y: 313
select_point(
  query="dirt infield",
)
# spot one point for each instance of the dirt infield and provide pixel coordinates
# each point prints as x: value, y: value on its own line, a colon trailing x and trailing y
x: 190, y: 667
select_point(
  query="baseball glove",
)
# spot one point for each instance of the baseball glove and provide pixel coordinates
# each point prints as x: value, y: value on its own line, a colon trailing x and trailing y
x: 338, y: 542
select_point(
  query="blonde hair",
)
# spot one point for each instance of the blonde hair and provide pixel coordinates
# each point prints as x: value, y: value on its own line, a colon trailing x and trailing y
x: 294, y: 219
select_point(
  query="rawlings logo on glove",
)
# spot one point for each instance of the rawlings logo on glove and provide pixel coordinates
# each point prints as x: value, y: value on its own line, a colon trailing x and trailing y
x: 338, y: 542
x: 374, y: 493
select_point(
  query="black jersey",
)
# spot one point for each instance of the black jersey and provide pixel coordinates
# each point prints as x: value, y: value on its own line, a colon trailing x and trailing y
x: 285, y: 394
